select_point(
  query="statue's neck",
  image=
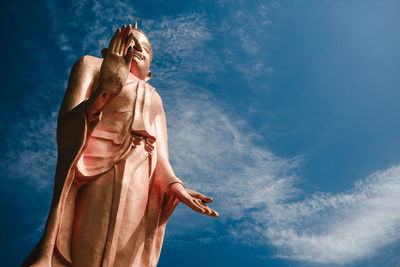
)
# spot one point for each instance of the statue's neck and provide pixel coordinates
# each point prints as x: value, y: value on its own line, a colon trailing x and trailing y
x: 134, y: 77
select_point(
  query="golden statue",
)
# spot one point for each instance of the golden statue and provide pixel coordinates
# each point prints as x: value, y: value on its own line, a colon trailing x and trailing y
x: 114, y: 186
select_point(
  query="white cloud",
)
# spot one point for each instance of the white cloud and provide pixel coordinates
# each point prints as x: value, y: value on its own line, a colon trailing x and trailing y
x: 213, y: 151
x: 339, y: 228
x: 180, y: 47
x: 31, y: 152
x: 246, y: 32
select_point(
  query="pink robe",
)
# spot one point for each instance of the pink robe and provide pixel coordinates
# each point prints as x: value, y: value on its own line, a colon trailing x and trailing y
x: 110, y: 204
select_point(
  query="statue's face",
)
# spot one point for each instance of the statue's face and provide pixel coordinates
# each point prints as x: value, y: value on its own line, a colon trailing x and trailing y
x: 140, y: 66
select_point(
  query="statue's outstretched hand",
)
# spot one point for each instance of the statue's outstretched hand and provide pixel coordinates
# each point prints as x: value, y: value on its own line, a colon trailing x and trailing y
x: 194, y: 200
x: 117, y: 61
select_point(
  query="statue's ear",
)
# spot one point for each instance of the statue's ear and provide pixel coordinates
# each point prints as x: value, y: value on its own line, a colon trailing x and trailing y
x: 104, y: 52
x: 148, y: 77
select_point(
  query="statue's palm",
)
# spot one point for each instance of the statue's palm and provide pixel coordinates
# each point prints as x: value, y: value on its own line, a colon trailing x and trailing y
x: 116, y: 64
x: 194, y: 200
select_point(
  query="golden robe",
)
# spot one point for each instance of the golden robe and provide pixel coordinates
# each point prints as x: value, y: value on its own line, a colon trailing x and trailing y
x: 110, y: 202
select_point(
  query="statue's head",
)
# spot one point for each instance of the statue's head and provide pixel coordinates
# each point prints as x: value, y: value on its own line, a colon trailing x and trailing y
x: 142, y: 54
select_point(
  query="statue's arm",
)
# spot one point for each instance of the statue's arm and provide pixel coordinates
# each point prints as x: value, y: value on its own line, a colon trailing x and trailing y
x: 98, y: 80
x: 81, y: 81
x: 83, y: 85
x: 163, y: 167
x: 113, y: 72
x: 74, y: 125
x: 191, y: 198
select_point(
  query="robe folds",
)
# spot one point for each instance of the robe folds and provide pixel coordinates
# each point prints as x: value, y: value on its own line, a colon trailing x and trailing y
x: 111, y: 184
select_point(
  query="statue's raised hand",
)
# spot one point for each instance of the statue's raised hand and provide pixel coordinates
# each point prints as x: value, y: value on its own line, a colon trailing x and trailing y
x: 117, y: 61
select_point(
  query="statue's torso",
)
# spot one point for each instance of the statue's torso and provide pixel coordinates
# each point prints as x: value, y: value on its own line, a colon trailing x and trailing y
x: 115, y: 179
x: 112, y: 137
x: 117, y: 115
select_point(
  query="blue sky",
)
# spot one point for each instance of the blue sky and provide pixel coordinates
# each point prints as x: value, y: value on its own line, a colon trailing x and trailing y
x: 286, y: 112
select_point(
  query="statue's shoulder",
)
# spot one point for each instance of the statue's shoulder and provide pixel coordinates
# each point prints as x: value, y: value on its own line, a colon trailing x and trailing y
x: 88, y: 62
x: 156, y: 99
x: 151, y: 87
x: 153, y: 90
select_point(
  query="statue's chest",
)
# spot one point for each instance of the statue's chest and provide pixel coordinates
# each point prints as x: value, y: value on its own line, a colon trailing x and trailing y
x: 117, y: 115
x: 128, y: 112
x: 123, y: 102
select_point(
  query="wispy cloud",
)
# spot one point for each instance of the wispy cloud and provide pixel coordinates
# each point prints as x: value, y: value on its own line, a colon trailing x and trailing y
x: 338, y: 228
x: 180, y: 47
x: 248, y: 27
x: 213, y: 151
x: 31, y: 153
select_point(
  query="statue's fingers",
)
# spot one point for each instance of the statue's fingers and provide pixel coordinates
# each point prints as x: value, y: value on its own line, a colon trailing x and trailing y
x: 124, y: 39
x: 118, y: 41
x: 200, y: 196
x: 128, y: 43
x: 214, y: 213
x: 129, y: 39
x: 210, y: 212
x: 202, y: 205
x: 195, y: 206
x: 201, y: 202
x: 207, y: 199
x: 128, y: 56
x: 113, y: 41
x: 207, y: 210
x: 124, y: 35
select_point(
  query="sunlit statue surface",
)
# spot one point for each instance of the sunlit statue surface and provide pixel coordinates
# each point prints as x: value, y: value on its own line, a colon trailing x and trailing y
x: 114, y: 186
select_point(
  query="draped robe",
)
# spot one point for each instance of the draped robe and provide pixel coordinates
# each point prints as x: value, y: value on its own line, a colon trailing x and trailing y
x: 110, y: 202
